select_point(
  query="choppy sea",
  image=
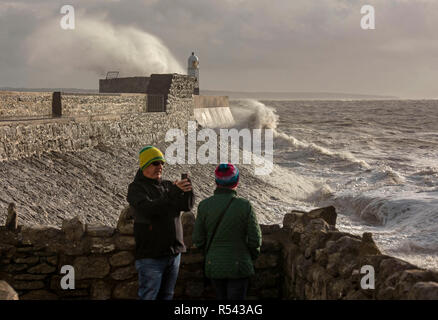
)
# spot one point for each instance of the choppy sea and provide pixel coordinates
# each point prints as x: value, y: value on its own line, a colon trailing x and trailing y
x: 375, y: 161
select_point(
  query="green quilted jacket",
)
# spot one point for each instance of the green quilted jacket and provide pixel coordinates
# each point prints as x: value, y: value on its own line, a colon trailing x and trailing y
x: 238, y: 238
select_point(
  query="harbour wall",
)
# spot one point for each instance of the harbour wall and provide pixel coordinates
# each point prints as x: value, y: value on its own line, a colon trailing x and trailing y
x: 213, y: 111
x: 74, y: 122
x: 32, y: 123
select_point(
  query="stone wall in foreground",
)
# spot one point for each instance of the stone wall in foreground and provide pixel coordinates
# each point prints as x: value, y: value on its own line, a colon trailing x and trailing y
x: 308, y: 258
x: 320, y: 262
x: 31, y: 259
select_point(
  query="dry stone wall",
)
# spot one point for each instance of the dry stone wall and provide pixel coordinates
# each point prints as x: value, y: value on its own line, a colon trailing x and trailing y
x: 31, y: 259
x: 308, y: 258
x: 320, y: 262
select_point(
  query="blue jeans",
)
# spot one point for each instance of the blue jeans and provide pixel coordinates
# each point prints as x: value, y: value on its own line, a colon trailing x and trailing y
x: 157, y: 277
x: 230, y: 289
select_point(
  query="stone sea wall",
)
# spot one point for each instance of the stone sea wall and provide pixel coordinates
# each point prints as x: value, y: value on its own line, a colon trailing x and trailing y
x: 308, y: 258
x: 88, y: 120
x: 25, y: 104
x: 96, y: 104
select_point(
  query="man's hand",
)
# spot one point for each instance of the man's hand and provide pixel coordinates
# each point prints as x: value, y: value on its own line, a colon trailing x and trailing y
x: 184, y: 185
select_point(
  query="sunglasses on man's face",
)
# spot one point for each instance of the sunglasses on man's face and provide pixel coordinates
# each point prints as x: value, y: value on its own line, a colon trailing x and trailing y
x: 157, y: 163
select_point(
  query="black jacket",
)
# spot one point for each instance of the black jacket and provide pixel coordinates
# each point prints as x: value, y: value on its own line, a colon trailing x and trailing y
x: 157, y: 222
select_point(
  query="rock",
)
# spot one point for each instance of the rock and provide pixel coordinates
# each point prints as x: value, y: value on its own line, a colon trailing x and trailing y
x: 38, y: 235
x: 356, y: 295
x: 124, y: 273
x: 12, y: 268
x: 29, y: 260
x: 316, y: 225
x: 12, y: 218
x: 333, y: 264
x: 101, y: 245
x: 390, y: 266
x: 409, y: 278
x: 99, y: 231
x: 346, y: 268
x: 348, y: 245
x: 290, y: 252
x: 126, y: 290
x: 386, y: 293
x: 321, y: 257
x: 295, y: 237
x: 418, y: 275
x: 8, y: 237
x: 308, y: 253
x: 44, y: 253
x: 302, y: 266
x: 272, y: 293
x: 368, y: 246
x: 125, y: 224
x: 336, y: 235
x: 7, y: 292
x: 338, y: 289
x: 53, y: 260
x: 424, y: 291
x: 39, y: 295
x: 77, y: 248
x: 91, y: 267
x: 29, y: 277
x: 328, y: 214
x: 269, y: 228
x: 74, y: 229
x: 266, y: 279
x: 270, y: 245
x: 43, y: 268
x: 125, y: 243
x: 100, y: 290
x: 266, y: 261
x: 28, y: 285
x: 290, y: 219
x: 122, y: 258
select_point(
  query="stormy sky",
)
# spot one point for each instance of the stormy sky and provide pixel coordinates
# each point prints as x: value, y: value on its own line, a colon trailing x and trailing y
x: 243, y: 45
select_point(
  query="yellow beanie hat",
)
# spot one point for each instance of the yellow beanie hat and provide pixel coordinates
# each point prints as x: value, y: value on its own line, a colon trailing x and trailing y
x: 148, y: 155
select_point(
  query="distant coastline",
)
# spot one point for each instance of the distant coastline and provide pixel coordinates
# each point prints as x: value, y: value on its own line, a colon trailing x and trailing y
x: 240, y: 94
x: 296, y: 95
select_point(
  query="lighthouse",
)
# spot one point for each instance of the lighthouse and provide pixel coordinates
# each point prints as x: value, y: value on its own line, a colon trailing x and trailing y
x: 193, y: 70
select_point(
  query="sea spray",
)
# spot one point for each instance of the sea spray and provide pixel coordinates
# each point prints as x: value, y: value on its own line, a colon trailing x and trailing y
x: 96, y: 46
x: 254, y: 114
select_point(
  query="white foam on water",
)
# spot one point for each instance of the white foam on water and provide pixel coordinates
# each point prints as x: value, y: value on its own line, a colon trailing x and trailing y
x: 254, y: 114
x: 375, y: 161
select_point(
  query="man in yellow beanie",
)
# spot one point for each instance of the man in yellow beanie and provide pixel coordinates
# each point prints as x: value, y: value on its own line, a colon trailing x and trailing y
x: 157, y: 225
